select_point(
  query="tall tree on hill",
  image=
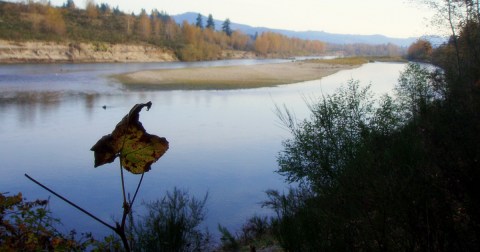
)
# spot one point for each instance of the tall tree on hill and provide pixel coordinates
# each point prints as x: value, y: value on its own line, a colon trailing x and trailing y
x: 455, y: 14
x: 116, y: 11
x: 69, y: 5
x: 105, y: 9
x: 226, y: 27
x: 199, y: 22
x: 171, y: 29
x: 210, y: 22
x: 91, y: 9
x: 156, y: 23
x: 129, y: 20
x: 144, y: 27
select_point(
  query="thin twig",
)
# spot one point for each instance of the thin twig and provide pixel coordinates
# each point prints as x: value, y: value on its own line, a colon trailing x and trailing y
x: 136, y: 191
x: 71, y: 203
x: 123, y: 182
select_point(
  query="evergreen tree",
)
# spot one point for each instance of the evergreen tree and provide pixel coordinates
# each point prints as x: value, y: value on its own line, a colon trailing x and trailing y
x: 210, y: 22
x: 116, y: 11
x: 199, y: 22
x: 226, y: 27
x: 104, y: 8
x: 69, y: 5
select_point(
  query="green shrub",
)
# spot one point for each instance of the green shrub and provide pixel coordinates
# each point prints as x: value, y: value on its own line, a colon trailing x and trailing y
x: 172, y: 224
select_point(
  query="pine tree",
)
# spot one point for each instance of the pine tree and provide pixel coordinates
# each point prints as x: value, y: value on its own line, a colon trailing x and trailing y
x: 210, y: 22
x: 69, y: 5
x: 226, y: 27
x: 199, y: 22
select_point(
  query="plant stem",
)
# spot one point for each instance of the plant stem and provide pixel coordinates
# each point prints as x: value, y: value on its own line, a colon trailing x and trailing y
x: 120, y: 229
x: 138, y: 188
x: 123, y: 183
x: 71, y: 203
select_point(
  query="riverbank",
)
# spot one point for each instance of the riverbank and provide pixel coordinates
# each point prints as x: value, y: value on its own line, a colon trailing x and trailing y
x: 76, y: 52
x: 15, y: 52
x: 231, y: 77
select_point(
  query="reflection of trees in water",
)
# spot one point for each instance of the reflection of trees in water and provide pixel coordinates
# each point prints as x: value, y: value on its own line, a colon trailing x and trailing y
x: 90, y: 103
x: 29, y: 106
x: 32, y: 106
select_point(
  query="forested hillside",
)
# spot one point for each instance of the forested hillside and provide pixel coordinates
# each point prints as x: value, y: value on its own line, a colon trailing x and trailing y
x: 106, y: 25
x: 102, y: 23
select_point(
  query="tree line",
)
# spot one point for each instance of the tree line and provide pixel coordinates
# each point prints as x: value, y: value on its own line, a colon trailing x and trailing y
x: 32, y: 20
x: 102, y: 23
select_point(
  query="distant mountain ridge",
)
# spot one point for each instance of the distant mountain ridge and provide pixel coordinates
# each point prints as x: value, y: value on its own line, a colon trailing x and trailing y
x: 332, y: 38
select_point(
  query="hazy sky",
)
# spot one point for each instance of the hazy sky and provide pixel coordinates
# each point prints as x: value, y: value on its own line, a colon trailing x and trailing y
x: 395, y: 18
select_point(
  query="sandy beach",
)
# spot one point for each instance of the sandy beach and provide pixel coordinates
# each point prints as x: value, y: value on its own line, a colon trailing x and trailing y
x: 231, y: 77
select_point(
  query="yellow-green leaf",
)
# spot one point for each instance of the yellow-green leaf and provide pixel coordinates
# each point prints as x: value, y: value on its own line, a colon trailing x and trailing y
x: 136, y: 148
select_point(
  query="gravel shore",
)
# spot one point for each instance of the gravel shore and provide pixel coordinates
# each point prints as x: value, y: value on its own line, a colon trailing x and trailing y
x: 231, y: 77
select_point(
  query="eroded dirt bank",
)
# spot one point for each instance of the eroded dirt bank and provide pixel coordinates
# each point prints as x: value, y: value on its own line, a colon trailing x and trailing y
x: 75, y: 52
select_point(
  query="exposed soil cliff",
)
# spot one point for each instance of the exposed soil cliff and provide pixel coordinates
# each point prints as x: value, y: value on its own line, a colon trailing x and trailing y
x: 74, y: 52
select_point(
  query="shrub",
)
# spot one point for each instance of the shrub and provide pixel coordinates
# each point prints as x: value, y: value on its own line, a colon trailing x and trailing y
x: 29, y: 226
x: 172, y: 224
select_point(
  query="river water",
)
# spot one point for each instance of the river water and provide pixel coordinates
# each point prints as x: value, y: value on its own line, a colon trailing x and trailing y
x: 223, y: 143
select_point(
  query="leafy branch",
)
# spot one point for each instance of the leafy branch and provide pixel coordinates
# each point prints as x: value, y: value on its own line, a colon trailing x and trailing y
x: 137, y: 151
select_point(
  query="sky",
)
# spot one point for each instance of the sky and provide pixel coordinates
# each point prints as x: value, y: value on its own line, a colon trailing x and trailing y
x: 393, y: 18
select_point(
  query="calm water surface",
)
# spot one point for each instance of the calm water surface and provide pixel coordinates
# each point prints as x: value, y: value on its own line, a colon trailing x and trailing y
x: 221, y: 142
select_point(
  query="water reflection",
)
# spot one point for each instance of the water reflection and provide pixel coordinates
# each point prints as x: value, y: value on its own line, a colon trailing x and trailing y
x: 30, y: 106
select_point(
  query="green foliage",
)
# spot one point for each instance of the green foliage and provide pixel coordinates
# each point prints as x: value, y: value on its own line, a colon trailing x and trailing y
x: 199, y: 21
x: 172, y: 224
x: 386, y: 174
x: 416, y: 90
x: 100, y: 47
x: 293, y: 229
x: 460, y: 59
x: 229, y: 242
x: 323, y: 145
x: 210, y: 22
x: 255, y: 228
x: 226, y: 27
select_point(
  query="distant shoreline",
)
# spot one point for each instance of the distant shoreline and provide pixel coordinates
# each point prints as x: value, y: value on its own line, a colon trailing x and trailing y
x: 231, y: 77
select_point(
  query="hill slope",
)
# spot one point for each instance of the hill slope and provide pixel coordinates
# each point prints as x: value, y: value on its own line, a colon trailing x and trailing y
x: 332, y: 38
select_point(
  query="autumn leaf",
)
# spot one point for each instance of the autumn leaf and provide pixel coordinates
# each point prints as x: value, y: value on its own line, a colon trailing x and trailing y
x: 136, y: 148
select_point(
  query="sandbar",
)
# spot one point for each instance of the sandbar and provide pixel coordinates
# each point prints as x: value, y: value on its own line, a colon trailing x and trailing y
x: 231, y: 77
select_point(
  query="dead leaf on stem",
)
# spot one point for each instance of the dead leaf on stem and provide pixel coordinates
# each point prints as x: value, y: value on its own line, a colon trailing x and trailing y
x: 136, y: 148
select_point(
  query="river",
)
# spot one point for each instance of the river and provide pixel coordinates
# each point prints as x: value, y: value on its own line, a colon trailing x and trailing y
x: 223, y: 143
